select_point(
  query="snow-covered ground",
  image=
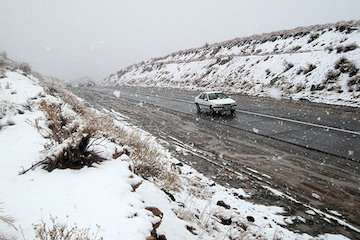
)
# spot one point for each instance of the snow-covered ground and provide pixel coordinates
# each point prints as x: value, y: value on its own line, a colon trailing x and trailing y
x: 318, y: 63
x: 109, y: 200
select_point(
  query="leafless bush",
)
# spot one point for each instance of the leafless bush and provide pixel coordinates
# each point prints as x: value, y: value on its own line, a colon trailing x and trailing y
x: 329, y: 49
x: 296, y: 48
x: 25, y: 67
x: 57, y: 121
x: 317, y: 87
x: 332, y: 76
x: 299, y: 87
x: 60, y: 231
x: 74, y: 153
x: 354, y: 83
x: 267, y: 71
x: 313, y: 37
x: 309, y: 68
x: 346, y: 66
x: 288, y: 66
x: 6, y: 219
x: 346, y: 48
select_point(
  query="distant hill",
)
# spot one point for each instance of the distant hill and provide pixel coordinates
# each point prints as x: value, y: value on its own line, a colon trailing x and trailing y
x: 82, y: 82
x: 319, y: 63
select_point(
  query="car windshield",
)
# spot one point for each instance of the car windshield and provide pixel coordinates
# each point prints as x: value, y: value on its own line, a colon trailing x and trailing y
x: 213, y: 96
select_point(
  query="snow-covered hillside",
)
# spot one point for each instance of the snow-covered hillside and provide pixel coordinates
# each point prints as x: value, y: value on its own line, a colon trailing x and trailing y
x: 319, y: 63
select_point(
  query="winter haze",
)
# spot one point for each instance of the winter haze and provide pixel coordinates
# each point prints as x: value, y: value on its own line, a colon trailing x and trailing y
x: 73, y: 39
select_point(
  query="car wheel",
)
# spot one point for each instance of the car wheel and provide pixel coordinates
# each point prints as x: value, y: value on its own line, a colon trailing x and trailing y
x: 198, y: 109
x: 212, y: 111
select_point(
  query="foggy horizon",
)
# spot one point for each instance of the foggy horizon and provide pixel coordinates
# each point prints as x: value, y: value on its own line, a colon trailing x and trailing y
x: 72, y: 40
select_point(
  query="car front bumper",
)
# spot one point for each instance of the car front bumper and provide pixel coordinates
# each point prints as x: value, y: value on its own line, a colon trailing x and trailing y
x: 225, y: 107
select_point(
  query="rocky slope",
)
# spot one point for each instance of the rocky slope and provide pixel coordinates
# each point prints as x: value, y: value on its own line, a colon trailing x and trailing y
x: 319, y: 63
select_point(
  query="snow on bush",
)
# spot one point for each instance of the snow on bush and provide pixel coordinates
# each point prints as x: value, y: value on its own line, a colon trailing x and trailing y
x: 62, y: 231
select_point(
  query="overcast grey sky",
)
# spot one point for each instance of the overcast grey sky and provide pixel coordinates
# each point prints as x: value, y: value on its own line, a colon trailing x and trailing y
x: 75, y: 38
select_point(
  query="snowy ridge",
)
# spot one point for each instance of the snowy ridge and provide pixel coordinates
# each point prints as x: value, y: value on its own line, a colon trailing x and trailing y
x: 318, y: 63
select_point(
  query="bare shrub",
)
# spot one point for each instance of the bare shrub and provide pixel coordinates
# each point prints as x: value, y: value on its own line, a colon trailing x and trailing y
x: 346, y: 48
x: 346, y: 66
x: 57, y: 122
x: 329, y: 49
x: 267, y: 71
x: 73, y: 153
x: 309, y: 68
x: 60, y: 231
x: 288, y: 66
x: 313, y: 37
x: 317, y: 87
x: 350, y: 47
x: 25, y: 67
x: 299, y: 87
x: 273, y: 81
x: 332, y: 76
x: 6, y: 219
x: 354, y: 83
x: 296, y: 48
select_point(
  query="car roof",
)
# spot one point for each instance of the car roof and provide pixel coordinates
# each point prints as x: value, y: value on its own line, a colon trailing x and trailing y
x: 207, y: 92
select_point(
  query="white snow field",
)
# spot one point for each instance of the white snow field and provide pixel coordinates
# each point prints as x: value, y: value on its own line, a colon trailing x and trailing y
x: 317, y: 63
x: 102, y: 199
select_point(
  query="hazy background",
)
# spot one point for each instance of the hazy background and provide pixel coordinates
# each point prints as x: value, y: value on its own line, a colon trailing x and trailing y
x: 71, y: 39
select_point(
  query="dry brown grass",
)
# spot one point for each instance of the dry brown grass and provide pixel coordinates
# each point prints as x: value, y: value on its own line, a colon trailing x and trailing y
x: 60, y: 231
x: 73, y: 154
x: 6, y: 219
x: 148, y: 160
x: 56, y: 121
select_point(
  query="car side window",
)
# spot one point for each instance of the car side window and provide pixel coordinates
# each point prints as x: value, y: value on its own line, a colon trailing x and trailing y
x: 202, y: 96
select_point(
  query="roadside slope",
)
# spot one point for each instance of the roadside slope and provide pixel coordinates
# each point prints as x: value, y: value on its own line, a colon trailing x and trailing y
x: 318, y: 63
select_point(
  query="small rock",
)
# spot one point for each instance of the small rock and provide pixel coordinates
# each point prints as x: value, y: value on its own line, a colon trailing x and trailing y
x: 226, y: 221
x: 20, y: 111
x: 136, y: 185
x: 179, y: 164
x: 155, y: 211
x: 162, y: 237
x: 223, y: 204
x: 169, y: 194
x: 250, y: 218
x: 242, y: 226
x: 238, y: 195
x: 191, y: 229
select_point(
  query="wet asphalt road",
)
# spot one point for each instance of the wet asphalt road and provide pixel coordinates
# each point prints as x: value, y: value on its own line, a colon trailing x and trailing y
x: 331, y: 130
x: 299, y: 157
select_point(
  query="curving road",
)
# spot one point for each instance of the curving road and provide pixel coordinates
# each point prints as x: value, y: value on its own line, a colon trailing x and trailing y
x: 308, y: 151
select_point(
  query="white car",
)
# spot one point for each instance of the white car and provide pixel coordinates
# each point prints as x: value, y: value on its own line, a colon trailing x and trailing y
x: 215, y: 102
